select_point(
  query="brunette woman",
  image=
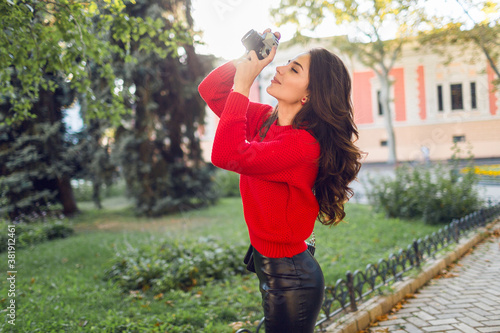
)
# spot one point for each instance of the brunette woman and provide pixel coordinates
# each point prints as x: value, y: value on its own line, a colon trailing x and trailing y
x: 296, y: 162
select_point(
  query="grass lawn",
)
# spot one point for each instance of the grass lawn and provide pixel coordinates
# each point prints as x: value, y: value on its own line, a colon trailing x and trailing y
x: 60, y: 285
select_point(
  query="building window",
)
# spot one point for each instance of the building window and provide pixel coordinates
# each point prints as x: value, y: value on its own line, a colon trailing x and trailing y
x: 456, y: 97
x: 473, y: 103
x: 380, y: 111
x: 440, y: 98
x: 458, y: 138
x: 383, y: 143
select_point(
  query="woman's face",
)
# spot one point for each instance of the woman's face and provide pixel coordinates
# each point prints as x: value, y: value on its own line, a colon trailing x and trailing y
x: 290, y: 83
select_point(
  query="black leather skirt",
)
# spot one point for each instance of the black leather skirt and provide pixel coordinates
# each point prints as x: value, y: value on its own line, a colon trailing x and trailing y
x: 292, y: 292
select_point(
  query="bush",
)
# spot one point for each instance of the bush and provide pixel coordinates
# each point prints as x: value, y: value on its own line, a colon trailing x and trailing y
x: 227, y: 183
x: 28, y: 234
x: 436, y: 194
x: 175, y: 265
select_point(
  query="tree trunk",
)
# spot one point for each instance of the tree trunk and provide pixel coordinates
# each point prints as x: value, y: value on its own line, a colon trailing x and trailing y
x: 66, y: 196
x: 386, y: 110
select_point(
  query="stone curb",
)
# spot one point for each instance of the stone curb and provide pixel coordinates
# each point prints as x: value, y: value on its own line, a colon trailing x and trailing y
x: 369, y: 311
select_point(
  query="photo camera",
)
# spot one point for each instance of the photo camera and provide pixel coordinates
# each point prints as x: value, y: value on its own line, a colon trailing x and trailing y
x: 261, y: 44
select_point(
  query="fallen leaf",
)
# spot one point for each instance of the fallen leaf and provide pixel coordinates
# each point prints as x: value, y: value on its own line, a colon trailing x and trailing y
x: 236, y: 325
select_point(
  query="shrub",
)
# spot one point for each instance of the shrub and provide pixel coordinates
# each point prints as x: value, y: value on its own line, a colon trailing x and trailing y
x: 175, y: 264
x: 28, y: 234
x: 227, y: 183
x: 436, y: 194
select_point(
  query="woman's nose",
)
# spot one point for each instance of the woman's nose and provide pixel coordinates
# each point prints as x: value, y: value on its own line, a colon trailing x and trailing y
x: 279, y: 69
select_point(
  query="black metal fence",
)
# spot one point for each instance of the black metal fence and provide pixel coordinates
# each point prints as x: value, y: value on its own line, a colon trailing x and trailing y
x: 347, y: 293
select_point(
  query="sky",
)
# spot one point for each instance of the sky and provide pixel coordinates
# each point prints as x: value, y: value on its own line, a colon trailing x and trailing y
x: 224, y: 22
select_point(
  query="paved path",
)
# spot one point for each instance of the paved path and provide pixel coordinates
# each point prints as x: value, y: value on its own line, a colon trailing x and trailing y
x: 465, y: 300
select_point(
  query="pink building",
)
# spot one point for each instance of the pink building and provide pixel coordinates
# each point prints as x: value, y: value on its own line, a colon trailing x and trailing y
x: 435, y: 103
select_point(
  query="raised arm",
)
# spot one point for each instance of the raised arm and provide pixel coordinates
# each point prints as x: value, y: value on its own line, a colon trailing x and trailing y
x: 215, y: 88
x: 269, y: 160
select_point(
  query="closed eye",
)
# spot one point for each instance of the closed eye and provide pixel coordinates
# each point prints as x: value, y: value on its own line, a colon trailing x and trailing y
x: 293, y: 69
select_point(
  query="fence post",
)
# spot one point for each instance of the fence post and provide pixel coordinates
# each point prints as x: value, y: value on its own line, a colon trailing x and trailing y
x: 455, y: 224
x: 417, y: 253
x: 350, y: 289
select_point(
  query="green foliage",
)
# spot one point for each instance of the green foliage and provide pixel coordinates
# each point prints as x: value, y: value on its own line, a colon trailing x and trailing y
x: 130, y: 64
x: 96, y: 171
x: 175, y: 264
x: 78, y: 299
x: 480, y: 37
x: 227, y: 183
x: 39, y: 38
x: 436, y: 194
x: 29, y: 233
x: 367, y: 20
x: 31, y: 168
x: 158, y: 187
x: 157, y: 146
x: 83, y: 189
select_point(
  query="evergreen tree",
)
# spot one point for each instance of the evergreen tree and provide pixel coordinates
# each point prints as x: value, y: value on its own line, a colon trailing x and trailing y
x: 35, y: 169
x: 44, y: 55
x: 158, y: 147
x: 99, y: 52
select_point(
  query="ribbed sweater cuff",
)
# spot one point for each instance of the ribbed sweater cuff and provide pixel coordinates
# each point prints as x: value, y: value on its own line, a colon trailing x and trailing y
x: 226, y: 72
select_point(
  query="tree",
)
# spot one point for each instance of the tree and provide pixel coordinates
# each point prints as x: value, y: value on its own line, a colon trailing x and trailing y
x: 382, y: 27
x: 40, y: 37
x: 45, y: 51
x: 35, y: 168
x: 52, y: 53
x: 483, y: 32
x: 157, y: 147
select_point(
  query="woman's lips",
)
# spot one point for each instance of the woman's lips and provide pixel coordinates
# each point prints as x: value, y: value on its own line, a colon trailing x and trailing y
x: 275, y: 80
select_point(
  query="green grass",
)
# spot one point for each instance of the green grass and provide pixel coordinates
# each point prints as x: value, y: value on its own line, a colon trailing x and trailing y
x: 60, y: 285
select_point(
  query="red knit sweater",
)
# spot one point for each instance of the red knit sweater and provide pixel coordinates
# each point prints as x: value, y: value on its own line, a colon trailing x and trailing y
x: 277, y: 173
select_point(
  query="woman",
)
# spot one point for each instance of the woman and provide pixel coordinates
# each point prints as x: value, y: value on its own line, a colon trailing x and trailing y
x: 296, y: 162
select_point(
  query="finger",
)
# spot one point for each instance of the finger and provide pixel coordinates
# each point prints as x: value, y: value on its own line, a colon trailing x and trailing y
x: 277, y: 34
x: 267, y: 30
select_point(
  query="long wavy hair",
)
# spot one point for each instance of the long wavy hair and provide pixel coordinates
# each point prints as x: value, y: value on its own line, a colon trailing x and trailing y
x: 329, y: 117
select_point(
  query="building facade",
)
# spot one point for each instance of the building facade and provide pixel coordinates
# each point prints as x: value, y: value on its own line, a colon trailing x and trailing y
x: 437, y: 100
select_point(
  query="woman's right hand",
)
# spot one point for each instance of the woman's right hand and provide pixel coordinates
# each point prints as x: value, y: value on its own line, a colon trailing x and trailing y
x: 247, y: 56
x: 249, y: 67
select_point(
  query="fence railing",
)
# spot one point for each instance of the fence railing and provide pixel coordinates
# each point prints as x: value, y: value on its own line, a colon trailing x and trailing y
x: 348, y: 293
